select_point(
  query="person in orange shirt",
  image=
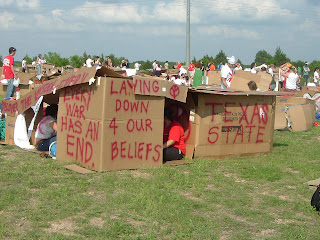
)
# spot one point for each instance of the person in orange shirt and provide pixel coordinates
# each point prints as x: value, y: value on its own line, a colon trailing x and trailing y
x: 212, y: 67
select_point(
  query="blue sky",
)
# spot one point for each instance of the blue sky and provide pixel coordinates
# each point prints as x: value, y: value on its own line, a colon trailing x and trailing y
x: 150, y: 29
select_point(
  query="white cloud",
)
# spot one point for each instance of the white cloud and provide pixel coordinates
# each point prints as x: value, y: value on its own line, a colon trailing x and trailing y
x: 250, y: 10
x: 21, y: 4
x: 100, y: 12
x: 5, y: 19
x: 228, y: 32
x: 28, y: 4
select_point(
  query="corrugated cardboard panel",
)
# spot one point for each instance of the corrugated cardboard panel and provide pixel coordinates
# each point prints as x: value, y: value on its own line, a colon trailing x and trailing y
x: 242, y: 124
x: 80, y: 126
x: 154, y: 86
x: 10, y: 122
x: 241, y: 78
x: 301, y: 117
x: 265, y: 81
x: 214, y: 77
x: 133, y: 126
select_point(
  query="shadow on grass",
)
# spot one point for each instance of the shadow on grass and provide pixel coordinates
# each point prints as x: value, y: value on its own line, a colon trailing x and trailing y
x: 280, y: 145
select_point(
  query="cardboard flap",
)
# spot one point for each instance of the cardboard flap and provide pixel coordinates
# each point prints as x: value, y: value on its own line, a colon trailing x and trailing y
x: 84, y: 75
x: 154, y: 86
x: 301, y: 116
x: 25, y: 77
x: 107, y: 72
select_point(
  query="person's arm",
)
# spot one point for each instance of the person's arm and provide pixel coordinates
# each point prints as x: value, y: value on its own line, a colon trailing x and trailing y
x: 168, y: 143
x: 54, y: 125
x: 224, y: 80
x: 12, y: 69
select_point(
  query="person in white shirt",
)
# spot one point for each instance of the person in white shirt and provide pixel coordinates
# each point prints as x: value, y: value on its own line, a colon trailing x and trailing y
x: 253, y: 68
x: 316, y: 76
x: 137, y: 66
x: 89, y: 62
x: 227, y: 73
x: 238, y: 66
x: 292, y: 79
x: 24, y: 65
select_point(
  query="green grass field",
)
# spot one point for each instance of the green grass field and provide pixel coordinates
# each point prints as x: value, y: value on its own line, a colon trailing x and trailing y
x: 263, y: 197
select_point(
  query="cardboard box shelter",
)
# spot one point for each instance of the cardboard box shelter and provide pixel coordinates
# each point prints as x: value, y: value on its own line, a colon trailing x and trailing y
x: 105, y: 121
x: 312, y: 93
x: 294, y: 113
x: 220, y: 123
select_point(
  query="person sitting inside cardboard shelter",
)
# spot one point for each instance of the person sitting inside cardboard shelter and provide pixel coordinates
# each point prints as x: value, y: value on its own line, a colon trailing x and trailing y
x: 174, y: 147
x: 46, y: 132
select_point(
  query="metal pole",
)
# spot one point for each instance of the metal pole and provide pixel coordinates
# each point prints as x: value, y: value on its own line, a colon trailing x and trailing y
x: 188, y: 34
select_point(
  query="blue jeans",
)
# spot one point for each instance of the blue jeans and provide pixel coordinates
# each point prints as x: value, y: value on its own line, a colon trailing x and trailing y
x: 306, y: 77
x: 38, y: 67
x: 44, y: 145
x: 10, y: 89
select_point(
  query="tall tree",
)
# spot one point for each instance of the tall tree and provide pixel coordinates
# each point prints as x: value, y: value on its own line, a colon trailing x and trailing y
x: 220, y: 57
x: 28, y: 59
x: 77, y: 61
x: 54, y: 58
x: 263, y: 56
x: 280, y: 57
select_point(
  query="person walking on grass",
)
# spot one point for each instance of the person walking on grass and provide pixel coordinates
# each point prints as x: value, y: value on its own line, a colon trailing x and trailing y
x: 8, y: 72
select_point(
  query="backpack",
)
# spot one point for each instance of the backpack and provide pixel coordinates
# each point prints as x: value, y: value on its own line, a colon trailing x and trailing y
x: 315, y: 200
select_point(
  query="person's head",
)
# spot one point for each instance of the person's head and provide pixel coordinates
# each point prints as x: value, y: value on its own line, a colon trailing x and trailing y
x: 252, y: 86
x: 253, y: 65
x: 89, y: 56
x: 316, y: 69
x: 52, y: 110
x: 306, y: 63
x: 12, y: 51
x: 39, y: 56
x: 231, y: 61
x: 168, y: 115
x: 237, y: 64
x: 263, y: 69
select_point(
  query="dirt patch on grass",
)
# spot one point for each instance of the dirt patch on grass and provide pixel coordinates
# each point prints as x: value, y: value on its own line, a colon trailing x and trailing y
x: 65, y: 226
x: 292, y: 171
x: 265, y: 233
x: 134, y: 222
x: 97, y: 222
x: 189, y: 196
x: 138, y: 174
x: 211, y: 187
x: 236, y: 178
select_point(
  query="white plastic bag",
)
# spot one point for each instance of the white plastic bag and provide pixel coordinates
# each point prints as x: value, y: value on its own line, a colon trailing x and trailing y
x: 20, y: 133
x: 16, y: 82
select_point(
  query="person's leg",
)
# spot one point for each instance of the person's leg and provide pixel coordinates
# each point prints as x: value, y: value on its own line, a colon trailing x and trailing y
x: 172, y: 153
x: 44, y: 145
x: 10, y: 88
x: 306, y: 79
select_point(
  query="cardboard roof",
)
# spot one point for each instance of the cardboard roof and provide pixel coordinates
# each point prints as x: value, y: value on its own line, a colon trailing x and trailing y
x: 229, y: 91
x: 143, y: 86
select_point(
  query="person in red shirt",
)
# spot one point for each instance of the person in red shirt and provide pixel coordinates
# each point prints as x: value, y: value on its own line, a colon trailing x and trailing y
x: 8, y: 72
x: 191, y: 69
x: 178, y: 65
x: 174, y: 147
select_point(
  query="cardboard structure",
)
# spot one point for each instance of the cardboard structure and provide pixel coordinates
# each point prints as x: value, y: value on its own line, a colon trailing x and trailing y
x: 221, y: 123
x: 294, y: 113
x: 105, y: 121
x: 312, y: 93
x: 241, y: 78
x: 110, y: 122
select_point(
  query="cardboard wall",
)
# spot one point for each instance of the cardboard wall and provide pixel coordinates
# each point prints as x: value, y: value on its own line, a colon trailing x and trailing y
x: 106, y: 126
x: 232, y: 125
x: 214, y: 77
x: 241, y: 78
x: 294, y: 113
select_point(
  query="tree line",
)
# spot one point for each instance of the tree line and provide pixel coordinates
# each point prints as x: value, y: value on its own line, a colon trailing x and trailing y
x: 262, y: 56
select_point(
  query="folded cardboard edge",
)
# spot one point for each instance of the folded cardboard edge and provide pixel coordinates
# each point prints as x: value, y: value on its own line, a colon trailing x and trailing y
x: 78, y: 169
